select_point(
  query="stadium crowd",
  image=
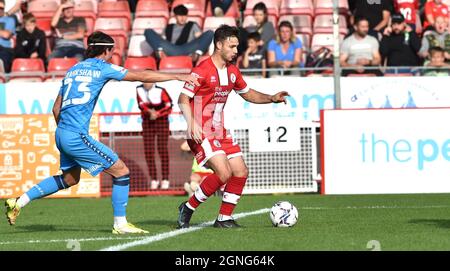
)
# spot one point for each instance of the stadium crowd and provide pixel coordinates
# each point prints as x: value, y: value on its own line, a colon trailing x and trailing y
x: 41, y: 39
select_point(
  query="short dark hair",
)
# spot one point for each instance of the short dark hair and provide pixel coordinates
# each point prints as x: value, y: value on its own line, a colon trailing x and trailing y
x: 436, y: 49
x: 180, y: 10
x: 360, y: 19
x: 224, y: 32
x: 260, y: 6
x: 94, y: 50
x: 28, y: 17
x: 254, y: 36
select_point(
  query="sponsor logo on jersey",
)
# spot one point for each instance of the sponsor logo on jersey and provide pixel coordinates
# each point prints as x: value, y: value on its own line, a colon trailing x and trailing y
x: 233, y: 78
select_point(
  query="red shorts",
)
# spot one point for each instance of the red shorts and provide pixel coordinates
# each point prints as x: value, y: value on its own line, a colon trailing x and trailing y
x: 210, y: 147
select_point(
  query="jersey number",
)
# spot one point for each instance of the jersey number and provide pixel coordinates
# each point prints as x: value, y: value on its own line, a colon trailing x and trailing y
x: 82, y: 87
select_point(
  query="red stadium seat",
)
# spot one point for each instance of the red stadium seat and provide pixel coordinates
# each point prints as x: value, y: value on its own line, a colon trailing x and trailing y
x: 139, y: 47
x: 28, y: 69
x: 87, y: 10
x: 115, y: 28
x: 324, y: 24
x: 202, y: 58
x: 233, y: 11
x: 118, y: 9
x: 297, y: 7
x: 156, y: 8
x: 301, y: 23
x: 326, y: 7
x: 45, y: 25
x: 140, y: 63
x: 324, y: 40
x: 41, y: 9
x: 140, y: 24
x: 212, y: 23
x: 273, y: 7
x: 178, y: 63
x: 196, y: 7
x: 94, y: 4
x: 57, y: 67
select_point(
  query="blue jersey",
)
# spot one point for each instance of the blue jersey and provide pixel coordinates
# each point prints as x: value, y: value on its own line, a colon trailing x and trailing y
x: 80, y: 90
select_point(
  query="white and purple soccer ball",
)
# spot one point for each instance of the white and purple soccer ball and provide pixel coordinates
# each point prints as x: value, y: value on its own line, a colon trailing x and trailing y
x: 283, y: 214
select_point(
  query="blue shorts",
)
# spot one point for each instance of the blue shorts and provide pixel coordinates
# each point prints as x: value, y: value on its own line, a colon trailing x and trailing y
x: 82, y: 150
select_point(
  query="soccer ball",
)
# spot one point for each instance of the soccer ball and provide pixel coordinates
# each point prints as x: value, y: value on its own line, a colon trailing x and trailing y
x: 283, y: 214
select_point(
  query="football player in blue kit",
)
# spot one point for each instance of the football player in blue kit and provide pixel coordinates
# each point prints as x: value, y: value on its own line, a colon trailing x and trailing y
x: 73, y: 110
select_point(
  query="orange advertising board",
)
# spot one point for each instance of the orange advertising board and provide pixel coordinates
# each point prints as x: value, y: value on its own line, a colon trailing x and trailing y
x: 28, y: 154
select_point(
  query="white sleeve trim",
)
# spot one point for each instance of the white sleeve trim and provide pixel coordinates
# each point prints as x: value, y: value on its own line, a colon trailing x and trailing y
x: 187, y: 92
x: 243, y: 91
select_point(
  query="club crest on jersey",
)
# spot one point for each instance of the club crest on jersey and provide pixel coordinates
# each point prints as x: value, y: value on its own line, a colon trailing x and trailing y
x: 213, y: 79
x: 217, y: 143
x: 232, y: 78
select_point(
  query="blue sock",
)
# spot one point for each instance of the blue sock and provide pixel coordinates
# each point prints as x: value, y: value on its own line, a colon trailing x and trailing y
x: 47, y: 187
x: 121, y: 187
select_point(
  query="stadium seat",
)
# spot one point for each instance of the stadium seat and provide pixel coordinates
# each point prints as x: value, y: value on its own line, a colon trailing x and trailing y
x: 326, y: 7
x: 196, y: 7
x: 118, y: 9
x: 212, y: 23
x: 198, y: 20
x: 45, y: 25
x: 27, y: 69
x: 57, y: 67
x: 297, y: 7
x: 139, y: 47
x: 306, y: 41
x: 202, y: 58
x: 249, y: 21
x: 41, y: 9
x: 176, y: 63
x: 301, y: 23
x: 140, y: 63
x: 140, y: 24
x: 233, y: 11
x: 94, y: 4
x: 273, y: 7
x: 115, y: 28
x: 324, y: 24
x: 324, y: 40
x: 86, y: 10
x: 116, y: 59
x: 157, y: 8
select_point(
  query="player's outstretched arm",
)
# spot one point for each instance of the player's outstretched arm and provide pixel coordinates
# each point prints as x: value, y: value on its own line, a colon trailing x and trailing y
x: 57, y: 108
x: 154, y: 77
x: 257, y: 97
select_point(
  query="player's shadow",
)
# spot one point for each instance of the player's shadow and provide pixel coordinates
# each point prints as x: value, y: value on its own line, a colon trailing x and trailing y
x: 440, y: 223
x: 51, y: 228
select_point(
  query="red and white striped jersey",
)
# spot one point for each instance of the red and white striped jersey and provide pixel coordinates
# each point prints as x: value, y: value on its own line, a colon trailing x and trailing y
x: 155, y: 98
x: 208, y: 100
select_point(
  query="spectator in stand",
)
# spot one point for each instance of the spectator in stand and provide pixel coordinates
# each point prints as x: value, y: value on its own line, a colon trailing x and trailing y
x: 30, y: 41
x: 438, y: 61
x: 409, y: 9
x: 286, y: 50
x: 220, y: 7
x: 181, y: 38
x: 13, y: 9
x: 69, y: 31
x: 7, y: 30
x: 400, y: 44
x: 156, y: 105
x: 360, y: 50
x: 263, y: 26
x: 377, y: 13
x: 434, y: 9
x: 254, y: 56
x: 439, y: 37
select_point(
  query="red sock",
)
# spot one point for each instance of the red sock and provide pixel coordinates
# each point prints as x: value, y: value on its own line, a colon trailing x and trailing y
x: 232, y: 194
x: 210, y: 185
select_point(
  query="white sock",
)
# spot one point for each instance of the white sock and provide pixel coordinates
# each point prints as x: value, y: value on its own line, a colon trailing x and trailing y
x: 224, y: 217
x: 23, y: 200
x: 189, y: 206
x: 120, y: 221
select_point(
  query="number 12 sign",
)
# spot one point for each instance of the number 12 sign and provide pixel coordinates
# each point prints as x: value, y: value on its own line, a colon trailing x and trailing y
x: 279, y: 136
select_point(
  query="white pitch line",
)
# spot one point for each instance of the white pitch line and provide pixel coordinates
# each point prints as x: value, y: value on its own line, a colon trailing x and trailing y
x: 169, y: 234
x: 68, y: 240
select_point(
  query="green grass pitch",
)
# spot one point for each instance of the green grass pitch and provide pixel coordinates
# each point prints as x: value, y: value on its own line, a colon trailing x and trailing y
x: 397, y: 222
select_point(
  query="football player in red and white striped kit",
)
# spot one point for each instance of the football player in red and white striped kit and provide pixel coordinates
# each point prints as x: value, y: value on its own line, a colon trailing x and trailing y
x: 212, y: 145
x: 156, y: 105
